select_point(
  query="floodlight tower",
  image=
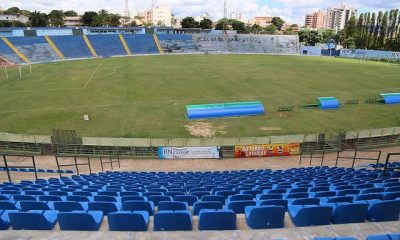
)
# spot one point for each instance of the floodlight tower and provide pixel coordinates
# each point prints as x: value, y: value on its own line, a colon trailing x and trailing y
x: 225, y: 8
x: 127, y: 14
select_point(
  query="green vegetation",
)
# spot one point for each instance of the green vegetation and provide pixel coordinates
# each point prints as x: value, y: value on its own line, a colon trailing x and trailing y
x: 146, y: 96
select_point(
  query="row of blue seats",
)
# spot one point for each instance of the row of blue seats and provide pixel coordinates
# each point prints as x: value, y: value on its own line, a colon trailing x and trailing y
x: 164, y: 220
x: 81, y: 196
x: 14, y: 169
x: 378, y: 210
x: 257, y: 217
x: 393, y: 236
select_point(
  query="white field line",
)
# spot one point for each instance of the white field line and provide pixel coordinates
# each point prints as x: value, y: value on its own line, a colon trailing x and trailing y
x: 91, y: 76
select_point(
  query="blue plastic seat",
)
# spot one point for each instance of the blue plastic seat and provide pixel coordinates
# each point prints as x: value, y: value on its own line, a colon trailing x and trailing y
x: 68, y: 206
x: 33, y: 205
x: 198, y: 194
x: 4, y: 219
x: 128, y: 221
x: 304, y: 201
x: 239, y: 206
x: 83, y: 193
x: 274, y: 202
x: 172, y: 206
x: 33, y: 220
x: 240, y: 197
x: 213, y: 198
x: 108, y: 193
x: 380, y: 211
x: 348, y: 192
x: 49, y: 198
x: 348, y: 199
x: 268, y: 196
x: 344, y: 213
x: 105, y: 207
x: 138, y: 206
x: 172, y: 221
x: 265, y: 217
x: 132, y: 198
x: 296, y: 195
x: 391, y: 195
x: 369, y: 196
x: 78, y: 199
x: 217, y: 220
x: 4, y: 198
x: 225, y: 193
x: 198, y: 206
x: 158, y: 198
x: 189, y: 199
x: 34, y: 192
x: 394, y: 236
x: 105, y: 198
x: 23, y: 198
x: 7, y: 205
x: 323, y: 194
x: 303, y: 216
x: 80, y: 221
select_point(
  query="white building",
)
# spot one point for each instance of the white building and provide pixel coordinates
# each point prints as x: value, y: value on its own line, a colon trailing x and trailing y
x: 158, y: 16
x: 237, y: 16
x: 336, y: 18
x: 73, y: 21
x: 12, y: 18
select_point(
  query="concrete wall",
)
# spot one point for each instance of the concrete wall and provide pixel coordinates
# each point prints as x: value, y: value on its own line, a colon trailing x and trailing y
x: 369, y: 54
x: 147, y: 142
x: 242, y: 43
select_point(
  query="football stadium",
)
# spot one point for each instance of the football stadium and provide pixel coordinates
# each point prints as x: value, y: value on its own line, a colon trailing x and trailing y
x: 175, y: 133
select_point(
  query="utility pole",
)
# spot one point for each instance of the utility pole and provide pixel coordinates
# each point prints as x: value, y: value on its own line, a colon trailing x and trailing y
x: 127, y: 14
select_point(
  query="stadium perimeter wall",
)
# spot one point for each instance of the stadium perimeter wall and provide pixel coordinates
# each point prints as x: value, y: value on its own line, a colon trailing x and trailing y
x: 369, y: 54
x: 191, y: 142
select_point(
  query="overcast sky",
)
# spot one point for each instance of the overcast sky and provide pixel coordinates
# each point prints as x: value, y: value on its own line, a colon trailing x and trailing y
x: 292, y: 11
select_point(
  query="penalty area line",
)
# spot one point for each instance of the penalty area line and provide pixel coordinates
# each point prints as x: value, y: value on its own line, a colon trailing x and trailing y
x: 91, y: 76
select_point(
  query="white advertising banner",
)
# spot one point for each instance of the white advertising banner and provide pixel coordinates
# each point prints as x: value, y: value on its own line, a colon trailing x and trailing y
x: 188, y: 152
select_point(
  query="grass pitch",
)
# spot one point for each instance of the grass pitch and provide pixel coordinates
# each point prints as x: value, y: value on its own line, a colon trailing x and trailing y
x: 146, y: 96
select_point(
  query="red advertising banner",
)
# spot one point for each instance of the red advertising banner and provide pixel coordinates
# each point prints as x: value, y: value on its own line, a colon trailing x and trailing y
x: 267, y: 150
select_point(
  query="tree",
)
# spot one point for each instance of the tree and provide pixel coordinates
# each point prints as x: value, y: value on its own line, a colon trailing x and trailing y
x: 206, y: 24
x: 133, y: 24
x: 189, y: 22
x: 271, y: 29
x: 25, y: 13
x: 13, y: 11
x: 88, y: 18
x: 70, y: 13
x: 310, y: 38
x: 377, y: 29
x: 112, y: 20
x: 278, y: 22
x: 38, y: 19
x: 231, y: 24
x: 328, y: 35
x: 349, y: 43
x: 383, y: 32
x: 56, y: 18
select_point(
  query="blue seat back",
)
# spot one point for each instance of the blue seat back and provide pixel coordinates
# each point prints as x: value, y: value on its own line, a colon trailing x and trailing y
x: 80, y: 221
x: 380, y: 211
x: 33, y: 220
x: 265, y: 217
x: 217, y: 220
x: 172, y: 206
x: 198, y: 206
x: 138, y: 206
x: 172, y: 221
x: 128, y: 221
x: 344, y: 213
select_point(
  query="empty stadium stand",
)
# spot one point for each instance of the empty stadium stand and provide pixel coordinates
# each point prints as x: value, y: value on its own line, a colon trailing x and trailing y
x: 72, y: 46
x: 8, y: 53
x: 262, y: 196
x: 36, y: 49
x: 141, y: 44
x: 177, y: 43
x: 107, y: 45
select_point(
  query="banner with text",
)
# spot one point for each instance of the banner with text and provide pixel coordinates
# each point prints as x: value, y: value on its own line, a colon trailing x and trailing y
x: 188, y: 152
x: 267, y: 150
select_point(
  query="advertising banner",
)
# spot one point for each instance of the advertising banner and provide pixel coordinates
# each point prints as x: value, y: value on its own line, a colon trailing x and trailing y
x: 188, y: 152
x: 267, y: 150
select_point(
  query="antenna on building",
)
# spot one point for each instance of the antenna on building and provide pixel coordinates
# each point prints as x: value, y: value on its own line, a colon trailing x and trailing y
x: 127, y: 14
x: 225, y: 8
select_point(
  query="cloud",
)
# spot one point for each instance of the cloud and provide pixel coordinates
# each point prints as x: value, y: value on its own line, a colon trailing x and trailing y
x: 291, y: 10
